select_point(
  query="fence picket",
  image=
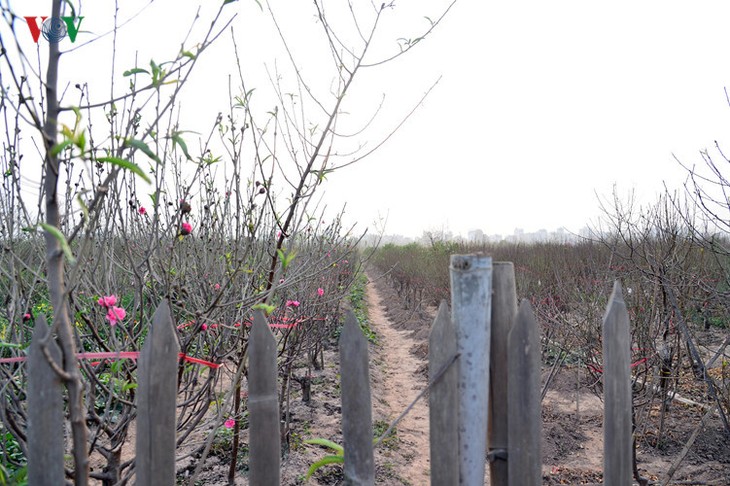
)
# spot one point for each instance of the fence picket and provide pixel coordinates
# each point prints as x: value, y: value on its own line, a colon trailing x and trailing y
x: 442, y: 400
x: 45, y: 410
x: 471, y: 297
x: 156, y: 399
x: 504, y: 308
x: 357, y: 424
x: 525, y: 417
x: 616, y: 392
x: 263, y: 405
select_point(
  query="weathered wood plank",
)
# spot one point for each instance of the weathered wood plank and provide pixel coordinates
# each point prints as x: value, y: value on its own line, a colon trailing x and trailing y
x: 504, y: 308
x: 525, y: 417
x: 263, y: 405
x: 156, y: 401
x: 616, y: 392
x: 471, y: 298
x: 357, y: 424
x: 443, y: 400
x: 45, y: 410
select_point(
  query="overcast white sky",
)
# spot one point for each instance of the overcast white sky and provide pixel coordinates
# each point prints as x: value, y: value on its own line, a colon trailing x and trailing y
x: 540, y: 106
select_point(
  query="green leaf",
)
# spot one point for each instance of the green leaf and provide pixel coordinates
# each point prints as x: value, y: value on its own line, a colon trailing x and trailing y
x: 125, y: 164
x: 158, y: 74
x: 10, y: 345
x: 327, y: 443
x: 268, y: 309
x: 80, y: 141
x: 135, y: 71
x: 59, y: 147
x: 226, y: 2
x: 56, y: 233
x: 116, y: 366
x: 326, y: 460
x: 188, y: 54
x: 322, y: 174
x: 77, y: 112
x: 139, y: 144
x: 155, y: 69
x: 209, y: 159
x: 285, y: 258
x: 66, y: 131
x: 176, y: 138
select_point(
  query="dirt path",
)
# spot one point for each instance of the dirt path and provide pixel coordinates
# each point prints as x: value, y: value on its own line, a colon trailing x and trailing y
x: 396, y: 389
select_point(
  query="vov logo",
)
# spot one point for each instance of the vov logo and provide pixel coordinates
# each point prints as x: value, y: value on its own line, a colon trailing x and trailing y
x: 54, y: 29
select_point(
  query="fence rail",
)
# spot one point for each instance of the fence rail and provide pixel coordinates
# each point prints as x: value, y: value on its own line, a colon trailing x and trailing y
x: 496, y: 417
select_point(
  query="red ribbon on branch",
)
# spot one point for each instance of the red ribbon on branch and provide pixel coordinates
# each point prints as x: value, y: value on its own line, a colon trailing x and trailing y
x: 599, y: 369
x: 118, y: 355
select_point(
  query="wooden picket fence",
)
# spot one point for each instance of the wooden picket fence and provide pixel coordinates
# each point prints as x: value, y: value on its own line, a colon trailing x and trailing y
x: 484, y: 393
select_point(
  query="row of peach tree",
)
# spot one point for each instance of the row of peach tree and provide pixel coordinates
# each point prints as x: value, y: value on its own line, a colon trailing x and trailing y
x: 676, y: 288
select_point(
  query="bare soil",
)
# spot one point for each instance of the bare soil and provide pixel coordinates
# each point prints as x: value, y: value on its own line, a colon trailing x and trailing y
x: 572, y: 443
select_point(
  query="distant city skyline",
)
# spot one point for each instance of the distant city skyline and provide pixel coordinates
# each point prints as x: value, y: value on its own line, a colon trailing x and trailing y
x: 519, y: 235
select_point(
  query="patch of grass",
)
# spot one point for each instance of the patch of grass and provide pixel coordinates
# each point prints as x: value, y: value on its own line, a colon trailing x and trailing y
x: 718, y: 322
x: 359, y: 306
x: 390, y: 441
x: 10, y: 471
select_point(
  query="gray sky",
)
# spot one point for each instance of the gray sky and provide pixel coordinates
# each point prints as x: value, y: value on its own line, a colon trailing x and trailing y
x: 543, y: 104
x: 540, y: 105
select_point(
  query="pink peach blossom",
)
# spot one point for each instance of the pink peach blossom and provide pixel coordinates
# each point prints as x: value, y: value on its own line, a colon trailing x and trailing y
x: 230, y: 423
x: 115, y: 314
x: 320, y: 291
x: 107, y: 300
x: 142, y: 210
x: 186, y: 229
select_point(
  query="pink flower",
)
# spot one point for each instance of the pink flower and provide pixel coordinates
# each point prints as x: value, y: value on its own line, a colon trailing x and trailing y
x: 27, y: 317
x: 217, y: 286
x: 281, y: 281
x: 115, y: 314
x: 107, y: 300
x: 142, y: 210
x: 204, y: 327
x: 186, y: 229
x: 230, y: 423
x: 320, y: 291
x: 292, y: 303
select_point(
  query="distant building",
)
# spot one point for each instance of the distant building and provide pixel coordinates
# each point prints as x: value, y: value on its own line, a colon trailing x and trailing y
x: 477, y: 236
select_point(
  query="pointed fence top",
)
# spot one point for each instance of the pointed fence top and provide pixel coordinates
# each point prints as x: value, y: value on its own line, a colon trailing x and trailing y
x: 616, y: 299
